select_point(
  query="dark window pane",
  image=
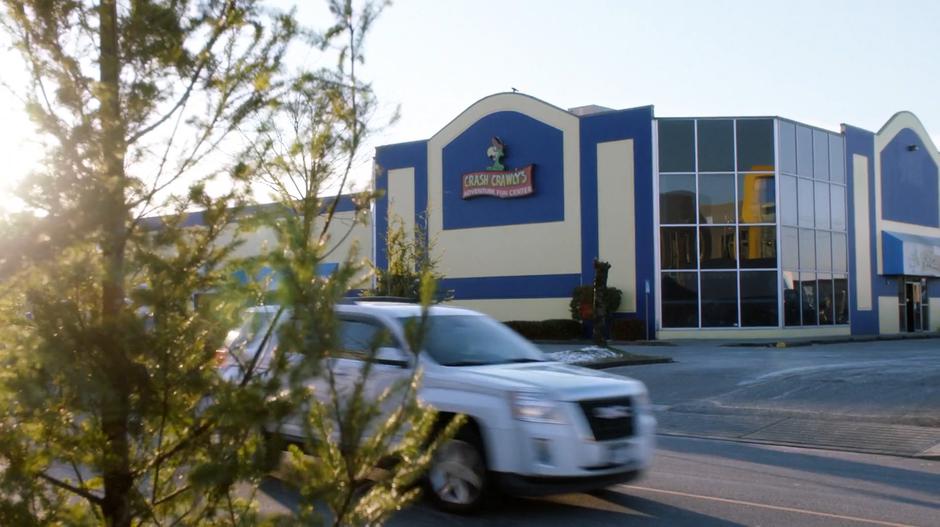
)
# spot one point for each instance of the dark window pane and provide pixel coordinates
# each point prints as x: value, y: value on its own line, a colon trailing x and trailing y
x: 787, y: 133
x: 759, y: 298
x: 822, y: 205
x: 677, y: 146
x: 840, y: 297
x: 807, y: 249
x: 716, y: 198
x: 756, y: 198
x: 680, y: 300
x: 717, y: 248
x: 805, y: 197
x: 788, y: 214
x: 836, y: 159
x: 720, y: 299
x: 820, y: 155
x: 716, y: 145
x: 791, y: 299
x: 808, y: 298
x: 840, y: 256
x: 804, y: 151
x: 677, y: 199
x: 823, y: 251
x: 758, y: 247
x: 826, y: 314
x: 755, y: 145
x: 837, y: 198
x: 790, y: 248
x: 677, y: 246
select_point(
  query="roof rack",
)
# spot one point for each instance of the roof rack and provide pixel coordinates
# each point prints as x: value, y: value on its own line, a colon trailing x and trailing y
x: 399, y: 299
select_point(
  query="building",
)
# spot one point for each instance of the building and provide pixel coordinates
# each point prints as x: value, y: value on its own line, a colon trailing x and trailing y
x: 715, y: 227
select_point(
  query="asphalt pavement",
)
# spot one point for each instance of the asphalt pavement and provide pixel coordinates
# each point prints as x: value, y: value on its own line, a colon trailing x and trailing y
x: 878, y: 397
x: 712, y: 483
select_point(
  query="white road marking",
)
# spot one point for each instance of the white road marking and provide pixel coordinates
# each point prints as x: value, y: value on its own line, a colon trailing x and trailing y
x: 765, y: 506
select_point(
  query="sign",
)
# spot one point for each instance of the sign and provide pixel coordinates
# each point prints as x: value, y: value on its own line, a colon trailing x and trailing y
x: 921, y: 259
x: 503, y: 184
x: 496, y: 181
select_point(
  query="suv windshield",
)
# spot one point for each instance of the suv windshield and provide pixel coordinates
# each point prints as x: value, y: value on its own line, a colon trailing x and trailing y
x: 472, y: 340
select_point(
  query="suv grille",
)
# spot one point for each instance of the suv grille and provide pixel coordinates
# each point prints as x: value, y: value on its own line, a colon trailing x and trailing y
x: 609, y: 418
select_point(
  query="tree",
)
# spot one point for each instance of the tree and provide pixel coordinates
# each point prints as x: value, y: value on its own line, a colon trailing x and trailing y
x: 307, y: 144
x: 409, y: 256
x: 103, y: 416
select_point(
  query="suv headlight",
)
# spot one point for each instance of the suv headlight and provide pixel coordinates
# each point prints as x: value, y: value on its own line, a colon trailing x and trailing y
x: 535, y: 408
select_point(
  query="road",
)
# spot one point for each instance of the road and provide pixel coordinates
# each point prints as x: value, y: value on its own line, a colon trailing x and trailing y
x: 698, y: 482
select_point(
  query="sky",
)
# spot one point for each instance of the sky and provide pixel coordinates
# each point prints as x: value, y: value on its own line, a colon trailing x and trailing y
x: 819, y: 62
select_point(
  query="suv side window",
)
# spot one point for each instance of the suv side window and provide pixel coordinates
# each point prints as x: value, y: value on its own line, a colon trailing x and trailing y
x: 358, y: 339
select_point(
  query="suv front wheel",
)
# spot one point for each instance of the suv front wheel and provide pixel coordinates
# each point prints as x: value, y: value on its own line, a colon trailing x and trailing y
x: 457, y: 480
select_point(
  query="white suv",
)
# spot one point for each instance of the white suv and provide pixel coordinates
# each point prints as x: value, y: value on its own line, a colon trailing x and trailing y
x: 534, y: 426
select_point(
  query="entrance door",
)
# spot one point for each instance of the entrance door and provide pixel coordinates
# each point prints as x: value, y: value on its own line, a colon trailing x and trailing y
x: 915, y: 305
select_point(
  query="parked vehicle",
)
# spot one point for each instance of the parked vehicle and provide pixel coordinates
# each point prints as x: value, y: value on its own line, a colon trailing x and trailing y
x: 534, y: 426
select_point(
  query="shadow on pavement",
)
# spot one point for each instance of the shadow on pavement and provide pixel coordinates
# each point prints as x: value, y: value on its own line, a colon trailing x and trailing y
x: 926, y: 481
x: 603, y: 508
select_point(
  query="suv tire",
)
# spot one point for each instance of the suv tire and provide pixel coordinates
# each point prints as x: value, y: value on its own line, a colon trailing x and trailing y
x: 457, y: 480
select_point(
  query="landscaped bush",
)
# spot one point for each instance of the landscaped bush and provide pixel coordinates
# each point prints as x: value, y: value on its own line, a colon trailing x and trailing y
x: 627, y: 329
x: 555, y: 329
x: 582, y: 301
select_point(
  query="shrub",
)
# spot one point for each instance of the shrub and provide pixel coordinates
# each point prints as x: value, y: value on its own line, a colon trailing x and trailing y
x: 583, y: 295
x: 555, y: 329
x: 628, y: 329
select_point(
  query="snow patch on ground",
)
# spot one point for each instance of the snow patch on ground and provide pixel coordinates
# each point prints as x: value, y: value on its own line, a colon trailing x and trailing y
x: 586, y: 354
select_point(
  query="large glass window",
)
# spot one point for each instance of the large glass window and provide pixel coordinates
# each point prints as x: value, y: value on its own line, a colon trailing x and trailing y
x: 823, y: 251
x: 716, y: 198
x: 720, y: 299
x: 717, y: 248
x: 808, y: 304
x: 758, y: 247
x: 677, y: 146
x: 787, y: 153
x: 822, y: 205
x: 677, y: 199
x: 758, y: 298
x: 719, y: 197
x: 756, y: 198
x: 755, y: 145
x: 807, y: 249
x: 837, y: 198
x: 840, y: 299
x: 840, y: 255
x: 716, y: 145
x: 836, y: 159
x: 678, y: 248
x: 791, y: 299
x: 820, y: 155
x: 788, y: 212
x: 790, y: 248
x: 805, y: 202
x: 820, y: 245
x: 680, y: 300
x: 804, y: 151
x: 826, y: 308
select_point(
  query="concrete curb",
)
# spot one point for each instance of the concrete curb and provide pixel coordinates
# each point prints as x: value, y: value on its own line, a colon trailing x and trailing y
x: 615, y: 362
x: 796, y: 343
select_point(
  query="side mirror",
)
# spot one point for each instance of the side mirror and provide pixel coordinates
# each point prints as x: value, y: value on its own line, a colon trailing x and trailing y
x: 391, y: 357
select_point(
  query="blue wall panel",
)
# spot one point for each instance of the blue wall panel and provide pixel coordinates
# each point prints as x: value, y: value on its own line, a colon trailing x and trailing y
x: 636, y: 124
x: 862, y: 142
x: 497, y: 287
x: 909, y: 191
x: 528, y: 142
x: 391, y: 157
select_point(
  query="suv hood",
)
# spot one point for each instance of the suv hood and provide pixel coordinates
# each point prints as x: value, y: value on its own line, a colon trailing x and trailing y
x: 560, y: 381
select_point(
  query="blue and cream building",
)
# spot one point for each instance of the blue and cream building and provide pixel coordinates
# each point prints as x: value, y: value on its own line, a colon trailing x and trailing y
x: 714, y: 227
